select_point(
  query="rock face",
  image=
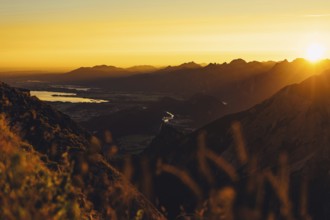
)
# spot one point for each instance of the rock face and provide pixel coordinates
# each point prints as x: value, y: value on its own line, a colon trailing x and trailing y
x: 295, y: 121
x: 63, y: 145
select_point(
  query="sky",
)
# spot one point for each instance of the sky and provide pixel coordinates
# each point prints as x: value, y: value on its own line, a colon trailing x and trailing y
x: 66, y: 34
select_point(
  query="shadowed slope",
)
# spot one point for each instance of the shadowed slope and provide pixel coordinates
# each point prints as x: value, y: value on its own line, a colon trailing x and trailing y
x: 295, y: 121
x: 67, y: 147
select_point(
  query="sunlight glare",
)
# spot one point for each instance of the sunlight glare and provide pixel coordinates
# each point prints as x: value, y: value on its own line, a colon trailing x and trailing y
x: 315, y: 52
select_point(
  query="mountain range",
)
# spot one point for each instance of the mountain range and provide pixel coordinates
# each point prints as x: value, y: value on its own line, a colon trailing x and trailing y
x: 269, y: 125
x: 203, y: 93
x: 294, y: 122
x: 239, y: 83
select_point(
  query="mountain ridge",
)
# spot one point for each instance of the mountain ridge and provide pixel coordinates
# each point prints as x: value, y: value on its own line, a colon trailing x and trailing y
x: 294, y: 121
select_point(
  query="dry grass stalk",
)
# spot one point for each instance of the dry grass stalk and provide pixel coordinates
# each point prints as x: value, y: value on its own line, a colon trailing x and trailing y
x: 128, y: 169
x: 239, y: 143
x: 222, y: 164
x: 222, y: 203
x: 201, y: 158
x: 304, y: 200
x: 281, y: 193
x: 184, y: 177
x: 147, y: 183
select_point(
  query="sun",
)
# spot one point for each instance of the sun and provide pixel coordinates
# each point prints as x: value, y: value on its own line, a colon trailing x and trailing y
x: 315, y: 52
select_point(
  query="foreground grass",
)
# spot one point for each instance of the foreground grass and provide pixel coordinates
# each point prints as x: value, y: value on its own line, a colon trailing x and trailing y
x: 29, y: 190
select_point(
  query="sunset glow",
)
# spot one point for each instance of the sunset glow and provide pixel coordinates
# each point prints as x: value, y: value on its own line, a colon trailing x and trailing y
x: 315, y: 52
x: 67, y: 34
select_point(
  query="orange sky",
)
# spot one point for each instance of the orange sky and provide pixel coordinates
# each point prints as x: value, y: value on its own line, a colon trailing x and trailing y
x: 61, y: 35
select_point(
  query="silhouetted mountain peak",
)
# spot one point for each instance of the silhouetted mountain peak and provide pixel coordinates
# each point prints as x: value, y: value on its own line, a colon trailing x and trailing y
x: 282, y: 64
x: 95, y: 72
x: 213, y: 65
x: 142, y: 68
x: 300, y: 60
x: 100, y: 66
x: 238, y: 62
x: 105, y: 68
x: 190, y: 65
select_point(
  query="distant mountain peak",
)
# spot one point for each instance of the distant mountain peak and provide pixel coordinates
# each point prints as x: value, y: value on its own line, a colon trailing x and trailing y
x: 142, y: 68
x: 100, y: 66
x: 211, y: 65
x: 238, y: 62
x: 98, y: 71
x: 190, y: 65
x: 103, y: 66
x: 301, y: 61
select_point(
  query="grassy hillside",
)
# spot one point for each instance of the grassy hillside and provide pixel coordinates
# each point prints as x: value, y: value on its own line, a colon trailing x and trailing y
x: 62, y: 165
x: 29, y: 190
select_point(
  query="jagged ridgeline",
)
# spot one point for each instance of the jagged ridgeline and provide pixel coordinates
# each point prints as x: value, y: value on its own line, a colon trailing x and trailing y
x: 50, y: 168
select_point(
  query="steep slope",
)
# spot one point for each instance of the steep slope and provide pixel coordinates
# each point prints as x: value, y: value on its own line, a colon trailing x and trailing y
x: 65, y: 147
x: 29, y: 190
x: 296, y: 118
x: 48, y: 130
x: 295, y: 121
x: 243, y: 94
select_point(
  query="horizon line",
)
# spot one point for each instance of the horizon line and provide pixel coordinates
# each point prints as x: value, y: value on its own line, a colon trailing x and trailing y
x: 51, y: 70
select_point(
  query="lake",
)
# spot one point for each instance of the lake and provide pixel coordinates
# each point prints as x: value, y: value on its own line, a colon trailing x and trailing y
x: 63, y: 97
